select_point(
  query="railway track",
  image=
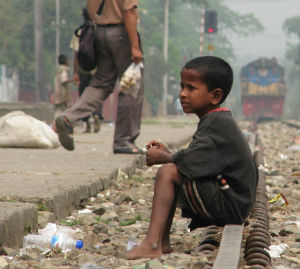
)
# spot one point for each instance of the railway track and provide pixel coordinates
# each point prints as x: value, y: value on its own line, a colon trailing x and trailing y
x: 234, y: 246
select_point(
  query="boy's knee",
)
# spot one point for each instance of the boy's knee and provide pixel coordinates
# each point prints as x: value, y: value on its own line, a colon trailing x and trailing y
x: 168, y: 172
x: 167, y: 168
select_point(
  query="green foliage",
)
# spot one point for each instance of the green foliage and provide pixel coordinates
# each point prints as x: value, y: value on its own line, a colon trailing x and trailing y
x: 42, y: 207
x: 291, y: 26
x: 17, y: 37
x: 136, y: 179
x: 131, y: 221
x: 184, y: 39
x: 69, y: 223
x: 28, y: 228
x: 99, y: 219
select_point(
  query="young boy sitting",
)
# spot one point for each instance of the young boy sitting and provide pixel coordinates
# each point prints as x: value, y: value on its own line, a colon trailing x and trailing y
x: 215, y: 178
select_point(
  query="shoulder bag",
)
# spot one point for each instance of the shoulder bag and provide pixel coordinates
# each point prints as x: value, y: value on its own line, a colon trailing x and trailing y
x: 86, y: 55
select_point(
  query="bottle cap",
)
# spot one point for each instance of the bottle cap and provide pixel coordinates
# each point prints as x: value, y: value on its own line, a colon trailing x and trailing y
x: 54, y: 241
x: 79, y: 244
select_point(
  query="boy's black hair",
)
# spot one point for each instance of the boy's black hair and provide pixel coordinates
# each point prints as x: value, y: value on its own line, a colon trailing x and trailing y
x: 62, y: 59
x: 214, y: 72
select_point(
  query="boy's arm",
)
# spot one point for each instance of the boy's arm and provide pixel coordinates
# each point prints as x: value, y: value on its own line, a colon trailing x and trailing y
x: 67, y: 81
x: 158, y: 156
x: 64, y: 78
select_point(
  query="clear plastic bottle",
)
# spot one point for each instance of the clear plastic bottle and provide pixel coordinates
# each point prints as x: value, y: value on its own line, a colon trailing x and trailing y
x: 42, y: 242
x: 65, y: 242
x: 45, y: 242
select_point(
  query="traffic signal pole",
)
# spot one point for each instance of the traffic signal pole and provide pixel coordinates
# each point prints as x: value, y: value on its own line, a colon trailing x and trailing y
x: 210, y: 27
x: 166, y: 43
x: 202, y: 21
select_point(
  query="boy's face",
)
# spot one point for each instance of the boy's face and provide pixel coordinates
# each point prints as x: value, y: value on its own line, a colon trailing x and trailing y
x: 194, y: 95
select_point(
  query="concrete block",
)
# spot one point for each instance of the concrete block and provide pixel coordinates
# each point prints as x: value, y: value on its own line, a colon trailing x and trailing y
x: 15, y: 219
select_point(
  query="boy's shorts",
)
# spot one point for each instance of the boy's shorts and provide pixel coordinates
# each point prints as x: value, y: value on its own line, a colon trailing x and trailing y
x: 208, y: 202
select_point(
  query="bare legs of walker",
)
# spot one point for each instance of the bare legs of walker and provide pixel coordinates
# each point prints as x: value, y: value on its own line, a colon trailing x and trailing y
x: 157, y: 241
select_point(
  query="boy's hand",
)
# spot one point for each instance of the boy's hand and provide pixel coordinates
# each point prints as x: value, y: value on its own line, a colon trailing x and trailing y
x: 156, y: 155
x: 157, y: 145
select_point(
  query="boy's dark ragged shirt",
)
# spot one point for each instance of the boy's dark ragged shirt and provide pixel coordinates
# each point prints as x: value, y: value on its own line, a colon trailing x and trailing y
x: 220, y: 148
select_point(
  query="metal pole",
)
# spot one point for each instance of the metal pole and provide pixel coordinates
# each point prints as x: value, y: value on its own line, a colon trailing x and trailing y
x: 57, y: 43
x: 166, y: 41
x: 38, y: 46
x: 202, y: 30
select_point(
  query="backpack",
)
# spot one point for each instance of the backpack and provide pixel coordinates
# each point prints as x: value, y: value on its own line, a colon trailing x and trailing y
x: 87, y: 53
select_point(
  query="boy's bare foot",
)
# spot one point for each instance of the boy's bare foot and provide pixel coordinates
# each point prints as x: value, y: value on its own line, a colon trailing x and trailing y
x: 144, y: 250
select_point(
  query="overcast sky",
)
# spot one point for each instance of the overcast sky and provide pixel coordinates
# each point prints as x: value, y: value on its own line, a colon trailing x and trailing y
x: 272, y: 14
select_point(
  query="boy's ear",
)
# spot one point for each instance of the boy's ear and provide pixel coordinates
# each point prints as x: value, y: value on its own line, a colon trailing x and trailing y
x: 217, y: 95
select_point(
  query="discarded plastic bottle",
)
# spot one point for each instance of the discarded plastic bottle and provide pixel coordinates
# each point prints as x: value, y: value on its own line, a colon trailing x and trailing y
x: 42, y: 242
x: 45, y: 242
x: 65, y: 242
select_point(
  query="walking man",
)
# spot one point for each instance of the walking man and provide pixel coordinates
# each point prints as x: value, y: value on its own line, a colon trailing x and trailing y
x: 117, y: 46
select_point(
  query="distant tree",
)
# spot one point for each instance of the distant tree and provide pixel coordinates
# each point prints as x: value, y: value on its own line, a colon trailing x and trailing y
x: 291, y: 26
x: 17, y: 37
x: 184, y: 35
x: 291, y: 29
x: 11, y: 30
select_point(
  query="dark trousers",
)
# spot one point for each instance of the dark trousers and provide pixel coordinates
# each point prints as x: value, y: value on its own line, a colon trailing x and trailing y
x: 114, y: 56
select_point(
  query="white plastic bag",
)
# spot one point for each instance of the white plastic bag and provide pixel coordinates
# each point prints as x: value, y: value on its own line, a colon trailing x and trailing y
x: 130, y: 82
x: 276, y: 250
x: 19, y: 130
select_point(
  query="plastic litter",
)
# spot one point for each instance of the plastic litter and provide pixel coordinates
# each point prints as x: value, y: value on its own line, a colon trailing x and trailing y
x: 53, y: 236
x: 276, y: 250
x: 283, y: 157
x: 85, y: 211
x: 297, y: 223
x: 279, y: 200
x: 131, y: 244
x: 294, y: 148
x: 262, y: 168
x: 65, y: 242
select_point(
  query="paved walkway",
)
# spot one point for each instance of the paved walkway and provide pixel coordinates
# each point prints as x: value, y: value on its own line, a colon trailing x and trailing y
x: 58, y: 181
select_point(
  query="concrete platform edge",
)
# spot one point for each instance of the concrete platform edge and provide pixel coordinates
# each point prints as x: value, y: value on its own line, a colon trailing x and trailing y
x: 19, y: 217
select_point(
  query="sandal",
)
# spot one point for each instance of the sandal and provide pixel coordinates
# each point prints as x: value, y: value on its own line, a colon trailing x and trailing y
x: 134, y: 150
x: 65, y: 132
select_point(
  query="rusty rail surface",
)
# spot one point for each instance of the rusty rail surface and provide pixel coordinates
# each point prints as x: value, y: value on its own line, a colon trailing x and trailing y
x: 258, y: 240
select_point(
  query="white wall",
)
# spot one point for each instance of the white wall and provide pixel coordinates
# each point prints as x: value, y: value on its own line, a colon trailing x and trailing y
x: 9, y: 86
